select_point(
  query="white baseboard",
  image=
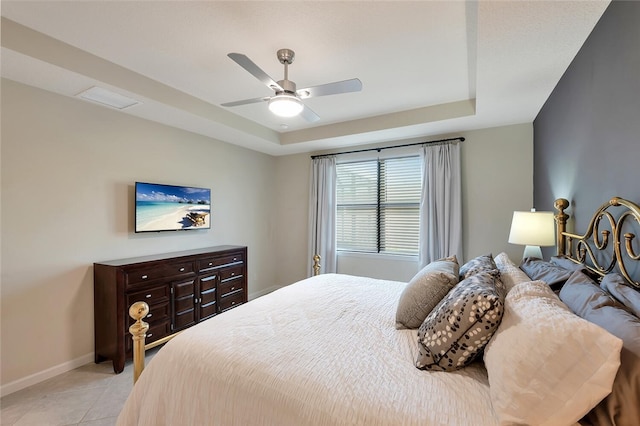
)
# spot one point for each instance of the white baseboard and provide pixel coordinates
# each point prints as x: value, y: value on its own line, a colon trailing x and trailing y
x: 41, y: 376
x: 263, y: 292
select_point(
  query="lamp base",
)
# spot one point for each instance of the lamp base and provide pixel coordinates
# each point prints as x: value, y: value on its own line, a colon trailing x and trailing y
x: 532, y: 251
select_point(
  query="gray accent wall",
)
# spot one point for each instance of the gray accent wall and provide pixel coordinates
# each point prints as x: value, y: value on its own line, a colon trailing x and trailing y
x: 587, y: 135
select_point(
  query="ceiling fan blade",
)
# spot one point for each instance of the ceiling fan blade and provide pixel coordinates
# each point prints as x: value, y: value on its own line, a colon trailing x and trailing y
x: 245, y: 101
x: 308, y: 114
x: 255, y: 70
x: 345, y: 86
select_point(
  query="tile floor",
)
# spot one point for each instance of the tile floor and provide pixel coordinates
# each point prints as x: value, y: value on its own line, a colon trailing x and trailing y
x: 89, y: 395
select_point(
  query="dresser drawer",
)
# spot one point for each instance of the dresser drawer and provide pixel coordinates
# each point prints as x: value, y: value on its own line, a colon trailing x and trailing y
x: 157, y: 313
x: 231, y: 286
x: 217, y: 261
x: 231, y: 300
x: 175, y: 269
x: 158, y: 331
x: 231, y: 273
x: 152, y: 295
x: 148, y: 273
x: 155, y: 332
x: 144, y: 274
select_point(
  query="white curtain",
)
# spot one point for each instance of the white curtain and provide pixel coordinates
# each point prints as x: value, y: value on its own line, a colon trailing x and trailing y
x: 322, y: 214
x: 440, y: 206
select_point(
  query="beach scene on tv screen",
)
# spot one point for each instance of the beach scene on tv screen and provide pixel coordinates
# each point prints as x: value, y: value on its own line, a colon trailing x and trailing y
x: 168, y: 207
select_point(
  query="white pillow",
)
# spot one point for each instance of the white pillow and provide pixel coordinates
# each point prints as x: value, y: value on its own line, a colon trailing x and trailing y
x: 546, y: 365
x: 510, y: 273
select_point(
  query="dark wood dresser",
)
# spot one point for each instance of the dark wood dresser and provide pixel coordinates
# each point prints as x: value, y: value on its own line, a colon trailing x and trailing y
x: 181, y: 289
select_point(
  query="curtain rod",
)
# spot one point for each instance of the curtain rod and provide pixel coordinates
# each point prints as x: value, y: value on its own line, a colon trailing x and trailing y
x: 461, y: 139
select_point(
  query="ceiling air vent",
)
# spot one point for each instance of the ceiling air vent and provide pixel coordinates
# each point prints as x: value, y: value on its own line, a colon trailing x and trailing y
x: 108, y: 98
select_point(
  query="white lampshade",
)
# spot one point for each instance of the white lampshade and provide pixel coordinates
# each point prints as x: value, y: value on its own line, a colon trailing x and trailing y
x: 533, y: 229
x: 285, y: 105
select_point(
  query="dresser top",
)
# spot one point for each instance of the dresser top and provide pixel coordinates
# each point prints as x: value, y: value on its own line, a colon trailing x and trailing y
x: 161, y: 256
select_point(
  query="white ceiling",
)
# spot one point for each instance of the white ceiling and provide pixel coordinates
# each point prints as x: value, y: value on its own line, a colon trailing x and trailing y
x: 427, y: 67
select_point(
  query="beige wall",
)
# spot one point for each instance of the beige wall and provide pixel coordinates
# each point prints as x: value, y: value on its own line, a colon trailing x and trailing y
x: 292, y: 218
x: 497, y: 178
x: 68, y: 170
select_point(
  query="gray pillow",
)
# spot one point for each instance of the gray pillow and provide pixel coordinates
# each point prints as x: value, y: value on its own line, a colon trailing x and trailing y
x: 457, y: 330
x: 615, y: 284
x: 484, y: 263
x: 566, y: 263
x: 425, y: 290
x: 580, y: 293
x: 540, y: 270
x: 594, y: 304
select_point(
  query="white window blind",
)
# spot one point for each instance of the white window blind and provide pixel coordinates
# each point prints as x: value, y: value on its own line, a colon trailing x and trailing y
x: 378, y: 204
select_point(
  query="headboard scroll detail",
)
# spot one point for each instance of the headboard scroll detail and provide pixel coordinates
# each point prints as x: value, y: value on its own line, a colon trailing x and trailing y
x: 592, y: 248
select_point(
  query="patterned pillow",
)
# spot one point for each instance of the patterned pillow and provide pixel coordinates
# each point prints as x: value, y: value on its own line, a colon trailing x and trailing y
x: 479, y: 264
x: 424, y: 291
x: 457, y: 330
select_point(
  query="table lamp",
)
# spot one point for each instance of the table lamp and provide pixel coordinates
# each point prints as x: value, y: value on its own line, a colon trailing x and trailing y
x: 532, y: 229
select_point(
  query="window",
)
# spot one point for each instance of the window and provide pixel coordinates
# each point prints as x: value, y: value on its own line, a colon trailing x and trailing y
x: 378, y: 205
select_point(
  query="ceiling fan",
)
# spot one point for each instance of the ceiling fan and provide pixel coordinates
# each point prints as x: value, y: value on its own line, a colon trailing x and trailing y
x: 287, y: 101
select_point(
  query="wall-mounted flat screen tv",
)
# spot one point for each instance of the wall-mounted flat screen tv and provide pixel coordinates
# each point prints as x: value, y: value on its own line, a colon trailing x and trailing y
x: 161, y: 207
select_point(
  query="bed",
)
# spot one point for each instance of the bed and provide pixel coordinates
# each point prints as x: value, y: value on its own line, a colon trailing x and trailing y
x: 329, y: 350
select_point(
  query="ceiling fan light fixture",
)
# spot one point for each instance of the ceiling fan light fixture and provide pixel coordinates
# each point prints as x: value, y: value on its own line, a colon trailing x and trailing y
x: 284, y: 105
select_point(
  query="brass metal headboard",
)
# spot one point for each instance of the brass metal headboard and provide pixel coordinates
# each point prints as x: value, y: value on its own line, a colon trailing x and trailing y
x: 601, y: 250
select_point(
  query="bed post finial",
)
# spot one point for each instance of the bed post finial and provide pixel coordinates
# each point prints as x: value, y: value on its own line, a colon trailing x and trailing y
x: 316, y: 265
x: 138, y: 331
x: 561, y: 224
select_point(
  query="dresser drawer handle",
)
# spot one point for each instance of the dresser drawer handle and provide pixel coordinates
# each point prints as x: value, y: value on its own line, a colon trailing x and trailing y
x: 233, y: 273
x: 233, y: 288
x: 210, y: 263
x: 233, y: 303
x: 150, y: 334
x: 149, y: 315
x: 148, y: 296
x: 181, y: 269
x: 144, y: 277
x: 235, y: 258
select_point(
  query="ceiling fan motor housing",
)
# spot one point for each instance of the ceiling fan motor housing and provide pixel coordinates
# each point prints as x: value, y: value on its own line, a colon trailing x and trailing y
x: 288, y: 86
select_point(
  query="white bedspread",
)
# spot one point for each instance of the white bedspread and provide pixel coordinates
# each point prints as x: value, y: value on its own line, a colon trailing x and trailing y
x: 323, y: 351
